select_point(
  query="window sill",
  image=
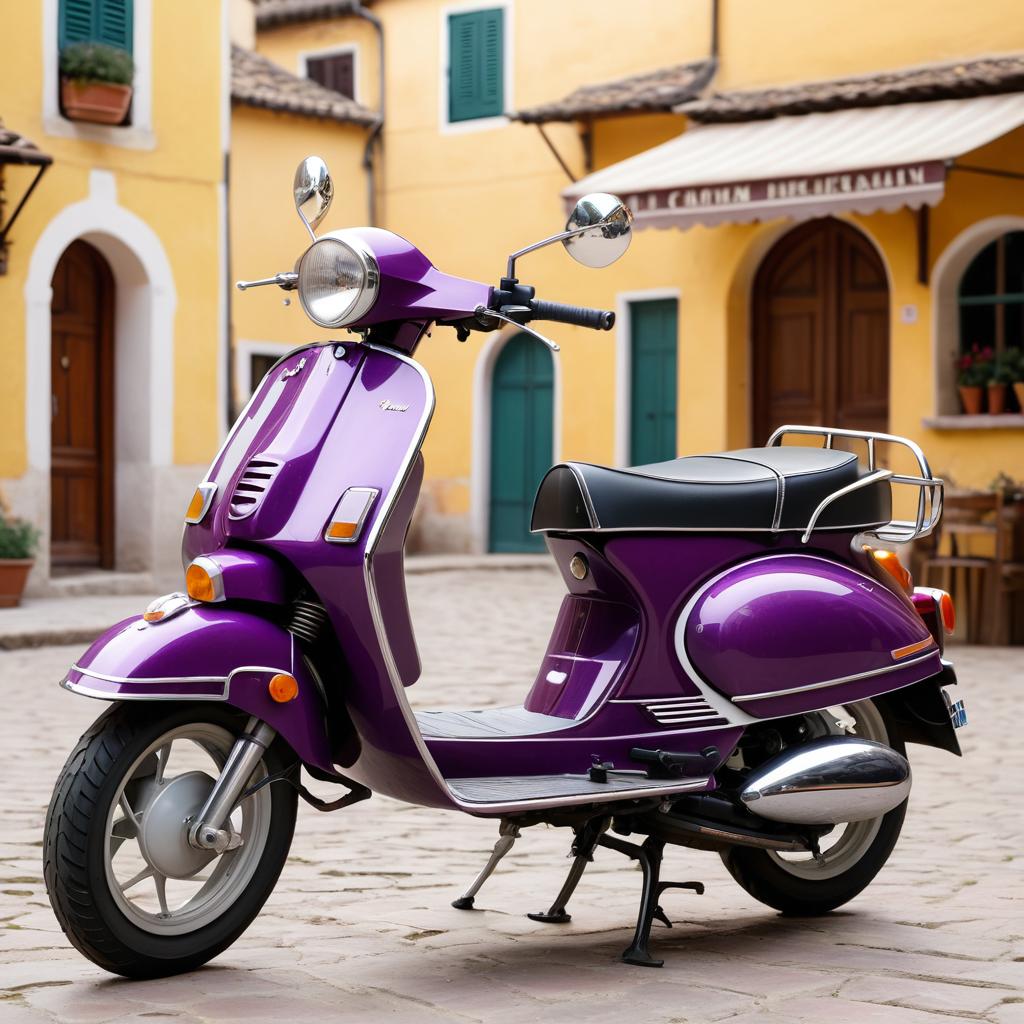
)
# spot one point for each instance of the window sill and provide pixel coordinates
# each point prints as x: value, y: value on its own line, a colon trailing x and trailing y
x: 127, y: 137
x: 985, y: 421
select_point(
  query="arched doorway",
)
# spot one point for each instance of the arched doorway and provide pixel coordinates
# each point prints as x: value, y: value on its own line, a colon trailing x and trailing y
x: 522, y: 414
x: 82, y: 424
x: 821, y: 332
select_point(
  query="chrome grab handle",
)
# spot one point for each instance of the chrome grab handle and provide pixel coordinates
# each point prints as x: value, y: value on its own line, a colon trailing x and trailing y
x: 898, y: 531
x: 879, y: 474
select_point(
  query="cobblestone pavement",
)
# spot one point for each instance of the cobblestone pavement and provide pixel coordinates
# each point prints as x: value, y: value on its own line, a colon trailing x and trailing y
x: 360, y: 927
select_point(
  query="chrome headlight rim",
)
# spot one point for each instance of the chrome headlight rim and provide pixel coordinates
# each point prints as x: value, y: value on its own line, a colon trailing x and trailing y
x: 371, y: 279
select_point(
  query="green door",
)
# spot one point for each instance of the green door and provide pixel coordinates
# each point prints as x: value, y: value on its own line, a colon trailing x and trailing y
x: 652, y: 409
x: 522, y: 405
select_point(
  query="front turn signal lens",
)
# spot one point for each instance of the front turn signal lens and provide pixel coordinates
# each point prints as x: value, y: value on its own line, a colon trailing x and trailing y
x: 200, y: 503
x: 890, y: 562
x: 283, y: 688
x: 154, y: 616
x: 947, y: 610
x: 199, y: 583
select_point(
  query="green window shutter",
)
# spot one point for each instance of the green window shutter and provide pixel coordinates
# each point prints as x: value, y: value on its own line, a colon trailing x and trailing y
x: 96, y: 21
x: 476, y: 72
x: 654, y: 336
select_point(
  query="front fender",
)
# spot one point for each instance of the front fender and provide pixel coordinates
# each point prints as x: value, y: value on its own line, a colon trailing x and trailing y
x: 209, y: 653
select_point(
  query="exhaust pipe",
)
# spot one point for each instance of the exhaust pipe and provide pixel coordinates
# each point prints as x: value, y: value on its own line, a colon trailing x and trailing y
x: 828, y: 782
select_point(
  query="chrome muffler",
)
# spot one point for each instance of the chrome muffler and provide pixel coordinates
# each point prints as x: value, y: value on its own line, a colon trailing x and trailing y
x: 829, y: 781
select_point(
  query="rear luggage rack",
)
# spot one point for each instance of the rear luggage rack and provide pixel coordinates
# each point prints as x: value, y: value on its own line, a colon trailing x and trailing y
x: 898, y: 531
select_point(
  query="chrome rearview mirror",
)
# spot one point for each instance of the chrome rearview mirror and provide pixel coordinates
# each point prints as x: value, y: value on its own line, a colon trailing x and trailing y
x: 598, y: 230
x: 597, y: 233
x: 314, y: 191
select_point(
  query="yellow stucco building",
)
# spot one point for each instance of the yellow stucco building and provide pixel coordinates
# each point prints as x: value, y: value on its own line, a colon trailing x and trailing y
x: 856, y: 227
x: 113, y: 323
x: 834, y: 205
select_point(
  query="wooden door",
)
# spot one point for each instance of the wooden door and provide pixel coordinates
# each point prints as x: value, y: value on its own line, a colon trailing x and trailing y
x: 522, y: 407
x: 652, y: 411
x: 81, y: 369
x: 821, y: 332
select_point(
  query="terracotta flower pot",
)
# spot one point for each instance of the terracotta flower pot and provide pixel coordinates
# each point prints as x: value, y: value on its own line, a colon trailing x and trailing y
x: 1018, y: 390
x: 996, y: 398
x: 13, y: 574
x: 972, y: 398
x: 98, y: 102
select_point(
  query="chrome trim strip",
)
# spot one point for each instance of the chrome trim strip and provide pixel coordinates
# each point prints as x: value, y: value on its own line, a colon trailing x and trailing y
x: 561, y: 737
x: 589, y: 798
x: 224, y: 681
x: 842, y: 680
x: 595, y: 523
x: 851, y: 528
x: 656, y: 700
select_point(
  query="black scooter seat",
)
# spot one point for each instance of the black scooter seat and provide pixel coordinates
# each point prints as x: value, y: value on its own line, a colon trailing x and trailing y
x: 751, y: 489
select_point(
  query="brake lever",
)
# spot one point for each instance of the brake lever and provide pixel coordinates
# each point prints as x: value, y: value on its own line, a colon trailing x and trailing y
x: 482, y: 312
x: 286, y: 280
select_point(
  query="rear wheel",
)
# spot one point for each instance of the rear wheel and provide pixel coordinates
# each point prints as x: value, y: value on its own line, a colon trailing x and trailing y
x: 851, y: 854
x: 127, y: 888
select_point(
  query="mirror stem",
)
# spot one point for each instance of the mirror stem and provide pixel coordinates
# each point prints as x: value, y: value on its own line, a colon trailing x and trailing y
x: 560, y: 237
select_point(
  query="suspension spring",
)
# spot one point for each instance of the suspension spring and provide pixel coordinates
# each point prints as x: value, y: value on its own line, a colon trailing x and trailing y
x: 308, y: 618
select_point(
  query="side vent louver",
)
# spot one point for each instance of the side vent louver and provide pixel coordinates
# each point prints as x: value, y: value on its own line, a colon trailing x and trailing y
x: 254, y: 482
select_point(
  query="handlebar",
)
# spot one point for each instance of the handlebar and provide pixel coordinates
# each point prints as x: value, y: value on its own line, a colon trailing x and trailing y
x: 580, y: 316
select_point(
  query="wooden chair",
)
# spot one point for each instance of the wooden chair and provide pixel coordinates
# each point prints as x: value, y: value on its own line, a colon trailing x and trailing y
x: 1007, y: 574
x: 965, y: 576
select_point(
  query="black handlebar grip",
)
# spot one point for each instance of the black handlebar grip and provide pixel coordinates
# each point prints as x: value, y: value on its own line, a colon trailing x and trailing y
x: 581, y: 316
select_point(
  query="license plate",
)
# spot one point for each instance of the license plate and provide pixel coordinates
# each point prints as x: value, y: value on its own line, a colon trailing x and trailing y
x: 957, y: 711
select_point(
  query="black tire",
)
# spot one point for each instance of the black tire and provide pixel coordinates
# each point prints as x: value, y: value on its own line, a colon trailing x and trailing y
x: 767, y: 881
x: 74, y: 847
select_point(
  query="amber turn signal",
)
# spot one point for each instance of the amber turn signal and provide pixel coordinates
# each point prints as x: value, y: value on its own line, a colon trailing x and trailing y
x: 195, y: 506
x: 154, y: 616
x: 890, y: 562
x: 199, y: 584
x: 283, y: 688
x: 341, y: 531
x: 948, y: 612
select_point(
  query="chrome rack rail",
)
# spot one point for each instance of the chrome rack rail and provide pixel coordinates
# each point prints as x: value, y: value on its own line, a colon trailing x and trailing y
x: 898, y: 531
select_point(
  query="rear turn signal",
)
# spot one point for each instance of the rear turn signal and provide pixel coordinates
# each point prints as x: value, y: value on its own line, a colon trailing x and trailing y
x: 890, y: 562
x: 283, y: 688
x: 948, y: 612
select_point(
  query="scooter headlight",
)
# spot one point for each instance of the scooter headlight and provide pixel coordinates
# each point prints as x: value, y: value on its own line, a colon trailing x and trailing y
x: 338, y: 281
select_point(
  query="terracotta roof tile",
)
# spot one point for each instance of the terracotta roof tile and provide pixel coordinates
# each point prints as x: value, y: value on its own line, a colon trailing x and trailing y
x: 280, y: 12
x: 653, y: 90
x: 983, y: 77
x: 259, y: 82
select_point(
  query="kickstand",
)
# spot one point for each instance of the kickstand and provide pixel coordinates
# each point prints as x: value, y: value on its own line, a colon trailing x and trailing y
x: 583, y: 854
x: 649, y: 855
x: 508, y: 833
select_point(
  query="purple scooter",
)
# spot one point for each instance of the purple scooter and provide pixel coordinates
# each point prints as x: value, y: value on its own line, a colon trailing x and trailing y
x: 737, y: 664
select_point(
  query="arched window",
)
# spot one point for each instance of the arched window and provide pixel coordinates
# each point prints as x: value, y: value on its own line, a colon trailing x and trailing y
x: 991, y: 296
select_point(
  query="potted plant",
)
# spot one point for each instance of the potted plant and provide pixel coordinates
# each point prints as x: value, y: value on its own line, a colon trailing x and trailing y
x: 1014, y: 360
x: 96, y: 82
x: 1001, y: 374
x: 975, y: 371
x: 18, y: 540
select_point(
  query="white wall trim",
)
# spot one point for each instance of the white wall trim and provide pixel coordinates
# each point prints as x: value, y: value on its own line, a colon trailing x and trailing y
x: 139, y: 134
x: 481, y: 123
x: 480, y: 465
x: 945, y: 285
x: 302, y: 64
x: 146, y: 301
x: 244, y: 351
x: 624, y: 362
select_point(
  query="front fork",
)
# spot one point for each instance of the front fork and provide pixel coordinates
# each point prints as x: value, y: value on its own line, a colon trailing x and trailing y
x: 210, y: 830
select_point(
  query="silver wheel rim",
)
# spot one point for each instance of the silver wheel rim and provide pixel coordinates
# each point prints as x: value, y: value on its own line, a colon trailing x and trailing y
x: 846, y: 844
x: 154, y: 886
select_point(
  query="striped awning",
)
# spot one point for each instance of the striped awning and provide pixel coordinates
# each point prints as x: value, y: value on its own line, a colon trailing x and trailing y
x: 861, y: 160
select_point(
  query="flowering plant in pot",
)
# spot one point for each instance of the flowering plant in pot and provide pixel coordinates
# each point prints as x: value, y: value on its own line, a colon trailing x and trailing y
x: 18, y: 540
x: 1013, y: 358
x: 1001, y: 374
x: 975, y: 371
x: 96, y: 82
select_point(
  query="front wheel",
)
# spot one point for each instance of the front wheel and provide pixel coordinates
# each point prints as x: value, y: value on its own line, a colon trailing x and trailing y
x: 127, y: 888
x: 851, y: 855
